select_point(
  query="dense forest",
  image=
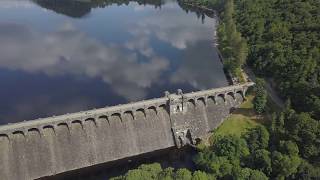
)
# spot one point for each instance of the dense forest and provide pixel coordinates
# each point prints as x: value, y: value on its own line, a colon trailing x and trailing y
x: 284, y: 41
x: 280, y: 41
x: 231, y: 44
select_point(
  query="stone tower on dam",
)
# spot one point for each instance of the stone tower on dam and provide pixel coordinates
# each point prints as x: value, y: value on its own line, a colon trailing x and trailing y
x: 53, y: 145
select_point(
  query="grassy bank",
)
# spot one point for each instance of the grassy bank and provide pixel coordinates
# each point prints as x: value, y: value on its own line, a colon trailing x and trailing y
x: 240, y: 121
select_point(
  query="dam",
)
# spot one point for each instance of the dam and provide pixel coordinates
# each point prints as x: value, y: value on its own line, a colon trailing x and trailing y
x: 53, y: 145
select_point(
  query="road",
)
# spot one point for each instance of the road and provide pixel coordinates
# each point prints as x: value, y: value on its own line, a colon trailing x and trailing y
x: 271, y: 92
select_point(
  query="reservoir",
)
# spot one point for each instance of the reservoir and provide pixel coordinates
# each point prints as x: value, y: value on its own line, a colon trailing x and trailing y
x: 64, y: 56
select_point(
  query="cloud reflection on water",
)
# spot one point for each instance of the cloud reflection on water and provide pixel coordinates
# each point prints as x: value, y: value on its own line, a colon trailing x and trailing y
x: 8, y: 4
x: 176, y: 29
x: 69, y: 51
x: 131, y: 69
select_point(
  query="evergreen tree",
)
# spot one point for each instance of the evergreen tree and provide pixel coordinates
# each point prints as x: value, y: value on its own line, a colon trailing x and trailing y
x: 260, y: 99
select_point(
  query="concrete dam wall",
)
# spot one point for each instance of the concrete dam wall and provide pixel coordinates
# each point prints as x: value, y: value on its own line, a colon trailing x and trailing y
x: 45, y: 147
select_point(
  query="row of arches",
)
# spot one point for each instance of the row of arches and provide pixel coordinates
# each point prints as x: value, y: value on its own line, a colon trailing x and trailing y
x: 121, y: 114
x: 215, y: 98
x: 95, y: 119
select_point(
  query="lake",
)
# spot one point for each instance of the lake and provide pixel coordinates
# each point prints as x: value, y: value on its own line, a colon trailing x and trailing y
x: 64, y: 56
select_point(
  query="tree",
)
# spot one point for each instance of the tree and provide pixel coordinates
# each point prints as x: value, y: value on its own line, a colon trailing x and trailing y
x: 166, y: 174
x: 183, y: 174
x: 283, y: 40
x: 154, y: 171
x: 260, y: 99
x: 289, y: 147
x: 208, y: 161
x: 257, y: 138
x: 225, y: 157
x: 261, y: 160
x: 232, y: 147
x: 233, y: 47
x: 257, y: 175
x: 304, y: 130
x: 307, y: 171
x: 249, y: 174
x: 284, y: 165
x: 199, y: 175
x: 143, y: 172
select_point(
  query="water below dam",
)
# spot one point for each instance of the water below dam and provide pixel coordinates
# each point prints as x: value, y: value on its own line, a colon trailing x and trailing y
x: 64, y: 56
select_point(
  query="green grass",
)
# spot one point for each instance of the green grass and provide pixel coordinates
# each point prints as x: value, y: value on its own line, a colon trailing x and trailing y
x: 235, y: 125
x: 240, y: 121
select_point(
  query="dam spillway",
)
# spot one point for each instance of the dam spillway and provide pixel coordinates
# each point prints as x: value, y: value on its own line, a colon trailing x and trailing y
x: 49, y: 146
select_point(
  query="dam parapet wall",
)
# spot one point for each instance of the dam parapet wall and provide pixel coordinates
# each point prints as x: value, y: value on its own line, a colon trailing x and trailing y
x: 49, y: 146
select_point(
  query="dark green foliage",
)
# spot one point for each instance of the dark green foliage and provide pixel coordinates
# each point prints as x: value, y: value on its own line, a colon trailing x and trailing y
x: 261, y: 160
x: 232, y: 46
x: 307, y: 171
x: 155, y: 172
x: 289, y: 147
x: 277, y: 129
x: 301, y: 129
x: 284, y: 44
x: 199, y: 175
x: 166, y: 174
x: 284, y: 165
x: 295, y: 136
x: 144, y: 172
x: 183, y: 174
x: 231, y: 147
x: 258, y: 143
x: 230, y: 158
x: 225, y: 157
x: 260, y: 99
x: 250, y: 174
x: 287, y: 161
x: 218, y: 165
x: 257, y: 138
x: 305, y: 131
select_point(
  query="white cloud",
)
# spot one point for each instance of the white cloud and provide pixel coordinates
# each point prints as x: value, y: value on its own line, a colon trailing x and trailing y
x: 174, y: 28
x: 7, y: 4
x: 199, y: 65
x: 199, y: 68
x: 68, y: 51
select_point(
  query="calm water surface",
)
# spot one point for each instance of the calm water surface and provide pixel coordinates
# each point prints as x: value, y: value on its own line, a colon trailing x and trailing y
x: 62, y: 56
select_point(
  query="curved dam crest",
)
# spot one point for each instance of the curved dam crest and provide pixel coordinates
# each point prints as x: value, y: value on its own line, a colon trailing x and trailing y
x: 49, y: 146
